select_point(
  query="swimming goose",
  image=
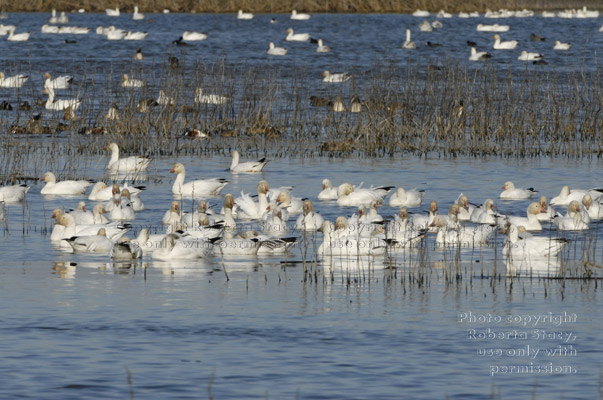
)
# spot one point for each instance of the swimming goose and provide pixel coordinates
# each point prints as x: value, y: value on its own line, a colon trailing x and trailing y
x: 338, y: 105
x: 136, y: 15
x: 492, y: 28
x: 209, y: 98
x: 276, y: 51
x: 299, y: 16
x: 81, y: 215
x: 321, y: 48
x: 237, y: 167
x: 192, y: 219
x: 244, y: 15
x: 566, y: 195
x: 172, y: 215
x: 402, y: 232
x: 19, y: 37
x: 122, y: 208
x: 138, y: 55
x: 113, y: 230
x: 506, y: 45
x: 15, y: 81
x: 355, y: 105
x: 296, y: 37
x: 561, y: 46
x: 113, y: 33
x: 593, y: 209
x: 465, y: 236
x: 98, y: 243
x: 573, y: 221
x: 425, y: 26
x: 60, y: 104
x: 64, y: 187
x: 309, y: 221
x: 348, y: 246
x: 347, y: 195
x: 485, y: 213
x: 406, y: 198
x: 13, y: 193
x: 126, y: 164
x: 101, y: 192
x: 516, y: 247
x: 164, y: 99
x: 526, y: 56
x: 192, y: 36
x: 174, y: 247
x: 530, y: 223
x: 293, y: 205
x: 137, y: 204
x: 49, y: 29
x: 129, y: 82
x: 465, y: 208
x: 249, y: 208
x: 420, y: 13
x: 53, y: 18
x: 197, y: 188
x: 535, y: 38
x: 135, y: 35
x: 408, y: 44
x: 479, y: 55
x: 112, y: 12
x: 510, y: 192
x: 124, y: 249
x: 549, y: 211
x: 328, y: 192
x: 335, y: 78
x: 231, y: 245
x: 60, y: 82
x: 272, y: 222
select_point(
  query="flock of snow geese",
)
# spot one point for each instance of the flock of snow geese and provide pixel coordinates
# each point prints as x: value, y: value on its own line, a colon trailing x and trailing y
x: 284, y: 219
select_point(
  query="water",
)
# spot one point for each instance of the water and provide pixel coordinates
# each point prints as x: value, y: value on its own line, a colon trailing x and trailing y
x: 78, y: 325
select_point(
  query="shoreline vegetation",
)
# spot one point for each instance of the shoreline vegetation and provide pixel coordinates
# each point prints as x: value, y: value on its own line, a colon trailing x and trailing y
x: 285, y: 6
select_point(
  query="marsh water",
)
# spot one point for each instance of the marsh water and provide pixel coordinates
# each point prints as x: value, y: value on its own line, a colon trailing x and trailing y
x: 82, y: 326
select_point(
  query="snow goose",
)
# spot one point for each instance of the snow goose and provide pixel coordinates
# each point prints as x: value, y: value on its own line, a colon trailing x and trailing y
x: 122, y: 208
x: 561, y: 46
x: 53, y: 17
x: 420, y: 13
x: 510, y: 192
x: 15, y: 81
x: 124, y: 249
x: 98, y: 243
x: 60, y: 104
x: 136, y: 15
x: 402, y: 233
x: 465, y: 208
x: 292, y: 205
x: 549, y: 212
x: 164, y: 99
x: 299, y: 16
x: 173, y: 247
x: 60, y: 82
x: 113, y: 230
x: 272, y: 222
x: 193, y: 36
x: 516, y: 247
x: 237, y: 167
x: 113, y: 33
x: 101, y: 192
x: 309, y: 221
x: 135, y: 35
x: 137, y: 204
x: 328, y: 192
x: 126, y: 164
x: 276, y: 51
x: 229, y: 221
x: 231, y: 245
x: 244, y: 15
x: 526, y: 56
x: 479, y: 55
x: 209, y: 98
x: 348, y: 246
x: 530, y: 223
x: 19, y: 37
x: 63, y: 19
x: 593, y: 209
x: 13, y: 193
x: 248, y: 208
x: 506, y: 45
x: 492, y: 28
x: 566, y: 195
x: 406, y: 198
x: 296, y: 37
x: 425, y: 26
x: 321, y: 48
x: 197, y: 188
x: 335, y: 78
x: 347, y: 195
x: 129, y: 82
x: 192, y: 219
x: 63, y: 187
x: 112, y: 12
x: 203, y: 230
x: 485, y: 213
x: 464, y: 236
x: 408, y: 44
x: 172, y: 215
x: 49, y: 29
x: 573, y: 221
x: 81, y: 215
x: 138, y: 55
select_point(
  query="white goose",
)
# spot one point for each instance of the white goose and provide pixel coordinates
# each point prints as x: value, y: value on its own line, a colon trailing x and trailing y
x: 81, y: 215
x: 348, y: 246
x: 404, y: 235
x: 15, y: 81
x: 60, y: 104
x: 573, y: 221
x: 526, y: 56
x: 244, y: 15
x: 63, y: 187
x: 328, y: 192
x: 335, y: 78
x: 19, y: 37
x: 173, y: 247
x: 408, y: 44
x: 549, y: 211
x: 299, y: 16
x: 510, y: 192
x: 347, y: 195
x: 124, y: 249
x: 193, y: 36
x: 593, y: 209
x: 136, y: 15
x: 13, y: 193
x: 122, y: 209
x: 531, y: 222
x: 479, y: 55
x: 60, y: 82
x: 209, y: 98
x: 126, y: 164
x: 465, y: 236
x: 485, y: 214
x: 135, y: 35
x: 519, y: 248
x: 561, y: 46
x: 112, y: 12
x: 197, y: 188
x: 101, y: 192
x: 231, y: 245
x: 248, y: 208
x: 321, y: 48
x: 492, y: 28
x: 165, y: 100
x: 130, y: 82
x: 276, y: 51
x: 296, y: 37
x: 506, y: 45
x: 272, y: 222
x: 98, y: 243
x: 406, y: 198
x: 192, y: 219
x: 309, y: 221
x: 237, y: 167
x: 113, y: 230
x: 292, y: 205
x: 567, y: 195
x: 172, y: 215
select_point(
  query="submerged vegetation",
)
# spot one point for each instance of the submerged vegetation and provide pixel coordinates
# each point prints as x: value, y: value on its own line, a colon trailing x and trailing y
x: 273, y: 6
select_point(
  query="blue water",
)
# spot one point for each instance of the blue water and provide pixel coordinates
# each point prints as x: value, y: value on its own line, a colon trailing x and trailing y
x: 80, y: 326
